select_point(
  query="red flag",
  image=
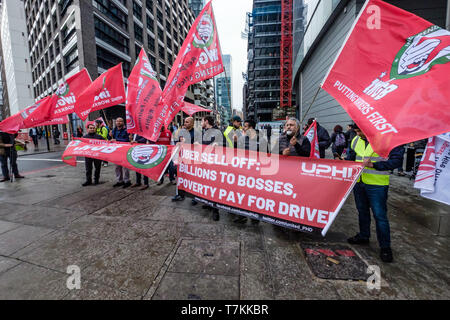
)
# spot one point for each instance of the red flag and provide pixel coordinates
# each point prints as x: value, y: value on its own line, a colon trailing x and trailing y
x: 69, y: 91
x: 12, y: 124
x: 199, y: 59
x: 147, y: 159
x: 392, y: 77
x: 190, y: 109
x: 143, y: 96
x: 311, y: 134
x: 106, y: 91
x: 60, y: 120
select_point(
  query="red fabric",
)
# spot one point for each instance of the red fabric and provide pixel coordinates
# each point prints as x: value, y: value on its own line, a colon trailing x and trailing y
x: 303, y: 191
x: 199, y: 58
x: 69, y: 91
x: 165, y: 138
x: 392, y: 79
x: 191, y: 109
x: 149, y: 160
x: 106, y: 91
x: 311, y: 134
x: 143, y: 96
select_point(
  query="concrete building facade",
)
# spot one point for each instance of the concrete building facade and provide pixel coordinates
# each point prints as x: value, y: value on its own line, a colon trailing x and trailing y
x: 16, y: 66
x: 320, y: 31
x: 68, y: 35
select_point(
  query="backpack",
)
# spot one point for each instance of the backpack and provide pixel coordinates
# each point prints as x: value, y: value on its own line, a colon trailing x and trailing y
x: 340, y: 140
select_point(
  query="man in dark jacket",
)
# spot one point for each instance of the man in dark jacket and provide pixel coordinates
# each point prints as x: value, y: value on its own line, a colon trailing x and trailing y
x: 88, y: 162
x: 371, y: 192
x: 291, y: 142
x: 350, y: 134
x: 322, y: 136
x: 8, y: 151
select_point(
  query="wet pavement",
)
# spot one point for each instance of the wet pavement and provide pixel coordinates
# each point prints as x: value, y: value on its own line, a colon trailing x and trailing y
x: 133, y: 244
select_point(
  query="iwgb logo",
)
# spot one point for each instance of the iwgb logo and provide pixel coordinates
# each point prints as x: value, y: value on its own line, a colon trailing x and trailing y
x: 326, y: 171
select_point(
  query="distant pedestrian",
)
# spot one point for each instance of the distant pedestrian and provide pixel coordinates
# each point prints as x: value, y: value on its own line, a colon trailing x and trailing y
x: 33, y: 133
x: 349, y: 135
x: 119, y: 133
x: 90, y: 161
x: 338, y: 140
x: 56, y: 135
x: 79, y: 132
x: 323, y: 137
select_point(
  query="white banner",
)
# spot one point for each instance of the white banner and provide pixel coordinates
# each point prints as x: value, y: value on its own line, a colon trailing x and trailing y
x: 433, y: 176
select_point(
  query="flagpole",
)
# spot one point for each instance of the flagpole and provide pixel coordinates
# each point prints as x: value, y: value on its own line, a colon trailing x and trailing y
x: 314, y: 99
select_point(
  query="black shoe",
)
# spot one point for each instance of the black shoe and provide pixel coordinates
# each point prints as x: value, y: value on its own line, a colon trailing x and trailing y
x: 205, y: 207
x: 240, y: 219
x: 87, y: 183
x: 215, y: 215
x: 386, y: 255
x: 255, y: 221
x: 96, y: 182
x: 160, y: 182
x: 5, y: 179
x: 118, y: 184
x: 194, y: 203
x: 357, y: 240
x: 18, y: 176
x: 127, y: 184
x: 177, y: 198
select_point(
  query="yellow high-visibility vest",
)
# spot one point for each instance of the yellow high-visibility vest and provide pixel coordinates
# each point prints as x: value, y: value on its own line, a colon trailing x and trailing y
x: 230, y: 142
x: 369, y: 175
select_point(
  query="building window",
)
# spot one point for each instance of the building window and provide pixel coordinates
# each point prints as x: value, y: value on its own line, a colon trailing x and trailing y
x: 137, y: 49
x: 162, y: 69
x: 161, y: 52
x: 151, y: 43
x: 71, y: 60
x: 108, y: 34
x: 138, y: 33
x: 150, y: 24
x: 160, y: 34
x: 67, y: 35
x: 109, y: 9
x: 107, y: 60
x: 137, y: 10
x: 63, y: 6
x: 149, y: 4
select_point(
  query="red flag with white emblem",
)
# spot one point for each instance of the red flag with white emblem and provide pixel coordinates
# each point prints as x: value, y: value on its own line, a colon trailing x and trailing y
x: 311, y: 134
x: 106, y: 91
x: 391, y: 77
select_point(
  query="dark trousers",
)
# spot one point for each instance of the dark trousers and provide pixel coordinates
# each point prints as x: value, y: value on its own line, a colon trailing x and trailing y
x: 410, y: 157
x: 139, y: 177
x: 8, y: 156
x: 97, y: 164
x: 35, y: 140
x: 373, y: 197
x: 171, y: 169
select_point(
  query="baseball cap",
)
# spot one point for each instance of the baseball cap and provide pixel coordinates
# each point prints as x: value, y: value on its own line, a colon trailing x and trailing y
x: 236, y: 118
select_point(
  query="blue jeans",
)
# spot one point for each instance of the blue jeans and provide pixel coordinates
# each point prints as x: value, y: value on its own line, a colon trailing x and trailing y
x: 373, y: 197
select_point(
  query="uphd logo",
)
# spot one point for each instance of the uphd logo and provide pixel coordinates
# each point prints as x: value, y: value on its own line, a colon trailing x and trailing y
x: 103, y: 95
x: 325, y: 170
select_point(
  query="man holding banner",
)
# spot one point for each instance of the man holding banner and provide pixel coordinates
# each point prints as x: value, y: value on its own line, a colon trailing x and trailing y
x: 371, y: 192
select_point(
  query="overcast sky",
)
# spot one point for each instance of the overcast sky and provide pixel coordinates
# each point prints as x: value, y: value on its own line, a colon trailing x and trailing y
x: 230, y: 20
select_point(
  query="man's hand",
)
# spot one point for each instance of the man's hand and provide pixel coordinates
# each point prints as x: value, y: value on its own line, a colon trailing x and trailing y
x: 368, y: 163
x: 286, y: 152
x: 113, y: 140
x: 294, y: 141
x: 133, y: 142
x: 235, y: 138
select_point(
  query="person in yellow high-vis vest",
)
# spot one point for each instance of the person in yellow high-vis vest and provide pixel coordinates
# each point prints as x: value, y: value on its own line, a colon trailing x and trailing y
x: 233, y: 132
x: 371, y: 192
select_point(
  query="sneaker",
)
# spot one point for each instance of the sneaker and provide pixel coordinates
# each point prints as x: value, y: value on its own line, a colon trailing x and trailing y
x: 215, y: 215
x: 144, y: 187
x: 177, y: 198
x: 118, y: 184
x: 240, y: 219
x: 357, y: 240
x: 96, y: 182
x: 18, y: 176
x: 127, y: 184
x: 194, y: 203
x: 87, y: 183
x: 401, y: 174
x: 136, y: 185
x: 386, y: 255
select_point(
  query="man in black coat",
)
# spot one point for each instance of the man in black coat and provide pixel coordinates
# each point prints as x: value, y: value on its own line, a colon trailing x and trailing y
x: 89, y: 161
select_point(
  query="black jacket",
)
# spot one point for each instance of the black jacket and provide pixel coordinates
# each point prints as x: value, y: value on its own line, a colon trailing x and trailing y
x: 324, y: 140
x: 301, y: 149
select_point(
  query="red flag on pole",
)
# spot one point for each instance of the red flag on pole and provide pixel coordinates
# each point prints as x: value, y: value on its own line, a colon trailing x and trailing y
x: 191, y: 109
x: 12, y: 124
x: 311, y: 134
x: 143, y: 96
x: 199, y: 58
x: 106, y: 91
x: 391, y: 76
x: 69, y: 91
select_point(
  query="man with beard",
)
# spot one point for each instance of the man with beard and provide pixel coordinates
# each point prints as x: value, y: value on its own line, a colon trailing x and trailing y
x: 291, y: 142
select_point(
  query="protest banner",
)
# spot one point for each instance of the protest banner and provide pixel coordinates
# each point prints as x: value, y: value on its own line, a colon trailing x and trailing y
x: 106, y: 91
x: 433, y: 175
x: 311, y: 134
x: 147, y: 159
x: 303, y: 194
x: 191, y: 109
x: 391, y: 77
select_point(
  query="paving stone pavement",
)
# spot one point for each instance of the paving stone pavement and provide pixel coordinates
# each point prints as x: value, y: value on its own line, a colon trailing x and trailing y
x: 133, y: 244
